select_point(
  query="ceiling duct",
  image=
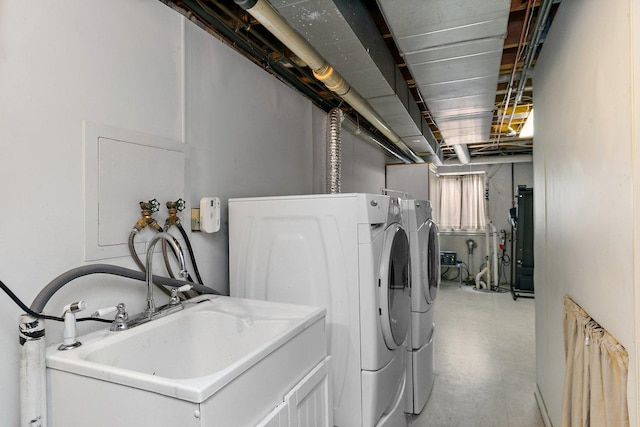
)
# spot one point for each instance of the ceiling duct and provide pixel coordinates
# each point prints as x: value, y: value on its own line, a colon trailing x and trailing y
x: 488, y: 160
x: 342, y: 32
x: 453, y: 49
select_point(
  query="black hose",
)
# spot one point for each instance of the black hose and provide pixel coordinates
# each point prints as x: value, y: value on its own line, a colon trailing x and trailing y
x: 168, y: 264
x: 32, y: 313
x: 190, y: 250
x: 165, y: 254
x: 56, y: 284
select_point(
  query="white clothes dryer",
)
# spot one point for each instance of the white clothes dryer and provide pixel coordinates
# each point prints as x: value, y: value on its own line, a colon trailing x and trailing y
x: 350, y: 254
x: 425, y: 282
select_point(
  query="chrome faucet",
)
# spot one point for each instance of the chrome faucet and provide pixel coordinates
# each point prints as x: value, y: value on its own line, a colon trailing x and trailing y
x: 122, y: 320
x: 151, y: 305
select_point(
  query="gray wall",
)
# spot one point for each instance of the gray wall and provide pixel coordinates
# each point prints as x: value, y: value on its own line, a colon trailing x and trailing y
x: 142, y: 68
x: 412, y: 179
x: 586, y: 183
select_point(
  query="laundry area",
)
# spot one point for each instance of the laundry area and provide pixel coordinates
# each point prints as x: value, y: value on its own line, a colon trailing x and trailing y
x: 319, y: 213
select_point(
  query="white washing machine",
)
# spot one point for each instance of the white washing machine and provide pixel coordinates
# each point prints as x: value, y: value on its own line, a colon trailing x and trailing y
x: 425, y: 281
x: 350, y: 254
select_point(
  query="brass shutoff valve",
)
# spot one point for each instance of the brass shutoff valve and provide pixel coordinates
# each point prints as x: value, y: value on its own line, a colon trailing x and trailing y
x: 174, y: 208
x: 146, y: 210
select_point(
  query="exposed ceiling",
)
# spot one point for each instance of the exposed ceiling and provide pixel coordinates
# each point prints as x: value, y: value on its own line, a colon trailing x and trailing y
x: 450, y: 78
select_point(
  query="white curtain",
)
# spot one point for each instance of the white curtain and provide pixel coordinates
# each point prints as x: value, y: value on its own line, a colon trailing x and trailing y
x: 595, y: 381
x: 473, y: 214
x: 450, y: 201
x: 461, y: 202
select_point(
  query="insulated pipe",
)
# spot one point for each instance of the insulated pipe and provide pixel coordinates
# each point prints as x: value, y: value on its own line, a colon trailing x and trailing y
x: 33, y: 381
x: 493, y: 160
x: 462, y: 152
x: 278, y: 26
x: 334, y: 152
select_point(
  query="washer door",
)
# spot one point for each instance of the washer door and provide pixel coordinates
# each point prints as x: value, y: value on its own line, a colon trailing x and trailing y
x: 395, y: 298
x: 433, y: 261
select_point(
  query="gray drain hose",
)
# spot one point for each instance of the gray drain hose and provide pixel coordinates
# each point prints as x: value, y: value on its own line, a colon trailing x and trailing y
x: 56, y: 284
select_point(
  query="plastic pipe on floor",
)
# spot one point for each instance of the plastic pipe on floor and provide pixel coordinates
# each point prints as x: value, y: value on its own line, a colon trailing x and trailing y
x: 479, y: 283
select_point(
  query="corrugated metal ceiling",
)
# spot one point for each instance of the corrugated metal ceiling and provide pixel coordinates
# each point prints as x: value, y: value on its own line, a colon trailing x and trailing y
x: 440, y: 72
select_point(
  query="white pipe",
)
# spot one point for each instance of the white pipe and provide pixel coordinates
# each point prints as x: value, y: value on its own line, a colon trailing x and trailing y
x: 462, y: 152
x: 278, y: 26
x: 495, y: 256
x: 33, y: 381
x: 492, y: 160
x: 479, y: 283
x: 487, y: 253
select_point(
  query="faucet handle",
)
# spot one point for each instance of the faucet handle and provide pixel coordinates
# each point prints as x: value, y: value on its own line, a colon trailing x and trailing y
x: 120, y: 322
x: 104, y: 311
x: 174, y: 299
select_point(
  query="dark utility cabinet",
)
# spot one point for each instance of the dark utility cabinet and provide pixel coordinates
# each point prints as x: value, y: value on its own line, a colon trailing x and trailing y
x: 524, y: 244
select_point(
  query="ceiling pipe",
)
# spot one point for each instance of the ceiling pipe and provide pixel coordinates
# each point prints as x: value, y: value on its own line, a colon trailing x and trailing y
x: 262, y: 11
x: 541, y: 23
x: 521, y: 43
x: 367, y: 136
x: 462, y: 152
x: 490, y: 160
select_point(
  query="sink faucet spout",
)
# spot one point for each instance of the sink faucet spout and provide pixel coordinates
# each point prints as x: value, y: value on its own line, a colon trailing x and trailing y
x: 151, y: 305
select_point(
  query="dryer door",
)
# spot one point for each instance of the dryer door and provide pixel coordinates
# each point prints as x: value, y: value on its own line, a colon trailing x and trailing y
x: 433, y: 281
x: 395, y: 299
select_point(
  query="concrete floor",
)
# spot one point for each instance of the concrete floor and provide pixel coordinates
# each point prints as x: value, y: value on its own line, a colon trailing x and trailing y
x: 484, y: 361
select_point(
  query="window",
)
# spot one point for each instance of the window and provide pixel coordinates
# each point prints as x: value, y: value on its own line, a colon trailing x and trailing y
x: 461, y: 203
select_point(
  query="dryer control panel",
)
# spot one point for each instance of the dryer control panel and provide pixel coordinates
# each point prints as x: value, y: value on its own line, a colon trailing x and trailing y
x: 373, y: 208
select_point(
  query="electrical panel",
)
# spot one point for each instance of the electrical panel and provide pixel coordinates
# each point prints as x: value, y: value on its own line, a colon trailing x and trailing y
x: 448, y: 258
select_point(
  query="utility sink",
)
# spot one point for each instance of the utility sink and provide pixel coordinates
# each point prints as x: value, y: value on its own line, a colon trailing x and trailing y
x: 220, y: 355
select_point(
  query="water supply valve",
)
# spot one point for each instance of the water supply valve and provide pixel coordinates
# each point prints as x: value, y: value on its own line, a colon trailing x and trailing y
x: 146, y: 210
x: 174, y: 208
x: 503, y: 240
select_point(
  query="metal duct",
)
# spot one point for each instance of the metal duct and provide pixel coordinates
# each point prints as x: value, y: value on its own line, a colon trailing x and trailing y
x: 489, y: 160
x: 463, y: 153
x: 453, y: 49
x: 323, y: 71
x: 344, y: 34
x: 334, y: 152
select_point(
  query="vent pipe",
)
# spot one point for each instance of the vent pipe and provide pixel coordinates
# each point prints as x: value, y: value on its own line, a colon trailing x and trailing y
x: 262, y: 11
x: 462, y: 152
x: 334, y: 152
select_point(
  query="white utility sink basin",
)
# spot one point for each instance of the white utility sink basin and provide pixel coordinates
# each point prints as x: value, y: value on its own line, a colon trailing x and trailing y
x: 222, y: 353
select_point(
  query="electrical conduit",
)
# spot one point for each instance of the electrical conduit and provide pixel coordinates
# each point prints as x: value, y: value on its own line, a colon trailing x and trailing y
x: 272, y: 21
